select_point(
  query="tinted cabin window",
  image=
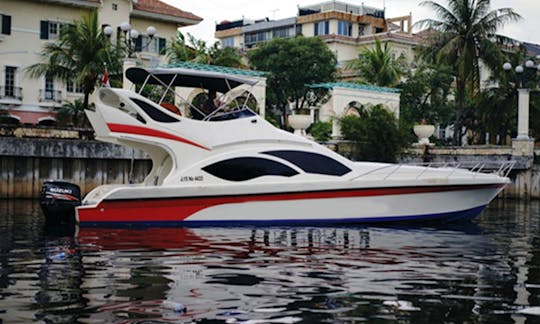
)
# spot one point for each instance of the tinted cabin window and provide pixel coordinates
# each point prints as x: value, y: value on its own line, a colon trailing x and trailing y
x: 153, y: 112
x: 241, y: 169
x: 312, y: 162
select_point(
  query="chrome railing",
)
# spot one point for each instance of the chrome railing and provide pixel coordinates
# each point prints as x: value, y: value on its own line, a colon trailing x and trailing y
x: 500, y: 168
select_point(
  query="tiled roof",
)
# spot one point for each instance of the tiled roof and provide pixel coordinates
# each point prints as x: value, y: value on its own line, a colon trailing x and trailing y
x: 161, y: 8
x: 215, y: 68
x: 356, y: 86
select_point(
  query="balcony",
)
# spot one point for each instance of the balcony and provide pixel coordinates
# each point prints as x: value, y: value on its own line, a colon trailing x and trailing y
x: 50, y: 96
x: 11, y: 93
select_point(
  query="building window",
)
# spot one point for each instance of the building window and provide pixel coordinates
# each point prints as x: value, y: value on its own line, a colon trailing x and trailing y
x: 53, y: 30
x: 9, y: 82
x: 298, y: 29
x: 49, y: 88
x: 155, y: 45
x: 50, y: 29
x: 322, y: 28
x: 361, y: 30
x: 246, y: 168
x: 115, y: 6
x: 73, y: 87
x: 258, y: 37
x: 281, y: 33
x: 6, y: 24
x: 344, y: 28
x: 227, y: 42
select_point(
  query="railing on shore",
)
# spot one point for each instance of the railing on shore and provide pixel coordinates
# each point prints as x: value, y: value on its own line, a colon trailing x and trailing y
x: 36, y: 131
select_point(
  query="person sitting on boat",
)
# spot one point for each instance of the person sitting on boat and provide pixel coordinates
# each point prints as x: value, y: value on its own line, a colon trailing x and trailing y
x: 210, y: 105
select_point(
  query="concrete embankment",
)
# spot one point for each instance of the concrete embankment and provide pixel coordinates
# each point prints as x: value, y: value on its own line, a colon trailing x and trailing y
x: 25, y: 163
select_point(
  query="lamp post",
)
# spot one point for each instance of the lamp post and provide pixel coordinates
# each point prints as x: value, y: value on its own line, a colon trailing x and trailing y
x: 523, y: 143
x: 130, y: 35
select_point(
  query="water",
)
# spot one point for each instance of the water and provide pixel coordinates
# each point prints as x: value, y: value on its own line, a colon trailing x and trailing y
x: 482, y: 271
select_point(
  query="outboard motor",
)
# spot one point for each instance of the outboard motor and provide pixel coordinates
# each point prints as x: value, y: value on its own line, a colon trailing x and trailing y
x: 58, y: 201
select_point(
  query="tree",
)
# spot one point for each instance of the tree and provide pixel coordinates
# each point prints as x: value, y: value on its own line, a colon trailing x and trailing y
x: 466, y: 31
x: 293, y: 64
x: 377, y: 66
x: 179, y: 50
x: 375, y: 133
x: 72, y: 113
x: 196, y: 51
x: 425, y: 94
x: 497, y: 106
x: 80, y: 55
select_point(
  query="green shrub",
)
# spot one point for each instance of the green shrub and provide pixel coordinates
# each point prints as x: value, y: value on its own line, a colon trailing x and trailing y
x: 376, y: 135
x: 321, y: 131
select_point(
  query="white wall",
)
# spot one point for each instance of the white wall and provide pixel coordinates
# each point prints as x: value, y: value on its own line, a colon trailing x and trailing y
x: 336, y: 107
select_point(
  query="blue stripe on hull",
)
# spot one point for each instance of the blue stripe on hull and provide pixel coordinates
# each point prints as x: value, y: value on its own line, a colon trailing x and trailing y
x: 439, y: 217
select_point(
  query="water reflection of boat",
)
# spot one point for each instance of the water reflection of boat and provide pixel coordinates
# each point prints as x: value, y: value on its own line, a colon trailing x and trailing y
x: 126, y: 239
x: 245, y: 239
x: 242, y: 269
x: 235, y: 167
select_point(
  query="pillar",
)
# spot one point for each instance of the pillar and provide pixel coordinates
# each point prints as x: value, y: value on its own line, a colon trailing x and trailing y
x: 128, y: 62
x: 523, y: 114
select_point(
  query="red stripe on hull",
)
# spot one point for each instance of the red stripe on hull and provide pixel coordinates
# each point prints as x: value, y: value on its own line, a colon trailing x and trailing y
x: 137, y: 130
x: 178, y: 209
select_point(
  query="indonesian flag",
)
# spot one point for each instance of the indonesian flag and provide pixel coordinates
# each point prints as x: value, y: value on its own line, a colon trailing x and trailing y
x: 105, y: 79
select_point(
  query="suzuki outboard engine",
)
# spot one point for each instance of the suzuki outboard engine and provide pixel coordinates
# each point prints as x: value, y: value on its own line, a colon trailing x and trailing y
x: 58, y: 201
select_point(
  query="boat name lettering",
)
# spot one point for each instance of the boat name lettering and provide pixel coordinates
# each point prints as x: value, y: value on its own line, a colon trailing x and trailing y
x: 191, y: 178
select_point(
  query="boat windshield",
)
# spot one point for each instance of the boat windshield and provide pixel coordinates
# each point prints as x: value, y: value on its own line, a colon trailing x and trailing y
x: 211, y: 82
x: 236, y: 113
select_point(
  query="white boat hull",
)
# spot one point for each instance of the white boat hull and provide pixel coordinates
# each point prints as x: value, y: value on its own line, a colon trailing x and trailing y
x: 235, y: 167
x: 327, y: 206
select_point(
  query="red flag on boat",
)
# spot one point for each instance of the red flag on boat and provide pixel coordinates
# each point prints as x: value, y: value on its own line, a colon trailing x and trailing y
x: 105, y: 79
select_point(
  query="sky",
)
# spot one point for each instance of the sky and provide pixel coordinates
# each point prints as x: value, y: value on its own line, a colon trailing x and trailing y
x: 215, y: 11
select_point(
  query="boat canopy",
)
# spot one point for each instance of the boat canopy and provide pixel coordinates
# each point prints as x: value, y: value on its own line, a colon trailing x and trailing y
x: 181, y: 77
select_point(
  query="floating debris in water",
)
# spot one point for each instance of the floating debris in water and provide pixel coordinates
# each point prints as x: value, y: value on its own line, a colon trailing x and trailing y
x: 401, y: 305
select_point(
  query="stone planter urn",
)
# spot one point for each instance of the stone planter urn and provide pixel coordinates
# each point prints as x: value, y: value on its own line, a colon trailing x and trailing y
x: 423, y: 132
x: 300, y: 123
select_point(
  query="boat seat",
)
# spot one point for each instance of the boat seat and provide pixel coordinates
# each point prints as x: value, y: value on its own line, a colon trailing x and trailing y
x: 171, y: 107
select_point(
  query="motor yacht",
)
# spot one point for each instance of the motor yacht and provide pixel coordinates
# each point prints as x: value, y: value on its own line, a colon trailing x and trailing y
x: 234, y: 167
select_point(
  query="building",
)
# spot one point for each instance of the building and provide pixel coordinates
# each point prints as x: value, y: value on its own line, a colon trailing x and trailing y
x: 26, y: 25
x: 346, y: 28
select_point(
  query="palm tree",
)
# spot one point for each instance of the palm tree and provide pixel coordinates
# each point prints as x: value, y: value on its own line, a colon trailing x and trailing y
x: 467, y: 31
x: 80, y: 55
x: 377, y: 66
x: 72, y: 113
x: 179, y: 50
